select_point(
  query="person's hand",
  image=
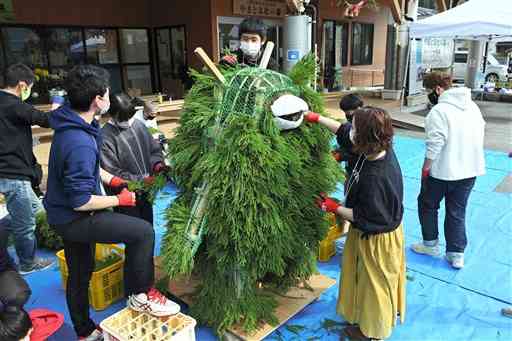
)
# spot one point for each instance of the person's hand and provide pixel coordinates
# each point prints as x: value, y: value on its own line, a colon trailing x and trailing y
x: 312, y: 117
x: 160, y: 167
x: 327, y: 204
x: 149, y: 180
x: 56, y: 101
x: 116, y: 182
x: 127, y: 198
x: 425, y: 172
x: 336, y: 154
x: 229, y: 59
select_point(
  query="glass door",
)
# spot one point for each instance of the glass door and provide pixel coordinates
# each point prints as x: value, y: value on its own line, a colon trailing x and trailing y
x: 172, y: 61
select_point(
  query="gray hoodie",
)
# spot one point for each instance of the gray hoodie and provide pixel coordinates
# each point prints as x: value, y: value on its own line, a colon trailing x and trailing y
x: 129, y: 153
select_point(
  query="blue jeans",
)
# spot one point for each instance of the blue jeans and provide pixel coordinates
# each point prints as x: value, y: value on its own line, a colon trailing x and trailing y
x: 455, y: 194
x: 22, y: 205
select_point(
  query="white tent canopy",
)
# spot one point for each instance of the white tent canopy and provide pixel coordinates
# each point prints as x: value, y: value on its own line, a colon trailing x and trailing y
x: 475, y: 19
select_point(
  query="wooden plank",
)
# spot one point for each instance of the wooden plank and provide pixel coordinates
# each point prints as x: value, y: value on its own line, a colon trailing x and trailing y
x: 441, y: 5
x: 289, y: 305
x: 396, y: 10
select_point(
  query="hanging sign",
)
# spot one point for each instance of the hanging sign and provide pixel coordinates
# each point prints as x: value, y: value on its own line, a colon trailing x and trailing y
x: 260, y: 8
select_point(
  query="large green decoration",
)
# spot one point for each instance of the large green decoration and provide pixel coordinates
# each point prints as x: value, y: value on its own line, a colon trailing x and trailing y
x: 260, y: 229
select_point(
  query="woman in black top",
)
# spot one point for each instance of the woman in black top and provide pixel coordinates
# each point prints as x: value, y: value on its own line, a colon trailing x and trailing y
x: 372, y: 286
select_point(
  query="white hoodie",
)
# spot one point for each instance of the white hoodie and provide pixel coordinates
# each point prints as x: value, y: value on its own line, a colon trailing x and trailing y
x: 455, y: 136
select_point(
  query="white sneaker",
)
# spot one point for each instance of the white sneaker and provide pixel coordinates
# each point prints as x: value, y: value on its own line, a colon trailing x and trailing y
x: 456, y: 259
x: 423, y: 249
x: 153, y: 303
x: 96, y: 335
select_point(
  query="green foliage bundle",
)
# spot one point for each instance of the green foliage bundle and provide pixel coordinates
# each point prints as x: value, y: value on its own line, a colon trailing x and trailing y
x: 262, y: 226
x: 46, y: 236
x: 150, y: 190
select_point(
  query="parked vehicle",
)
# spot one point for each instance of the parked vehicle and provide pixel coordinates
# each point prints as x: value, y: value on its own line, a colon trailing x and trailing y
x: 494, y: 71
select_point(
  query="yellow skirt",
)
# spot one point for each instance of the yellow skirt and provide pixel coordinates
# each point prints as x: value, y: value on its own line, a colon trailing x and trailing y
x: 372, y: 286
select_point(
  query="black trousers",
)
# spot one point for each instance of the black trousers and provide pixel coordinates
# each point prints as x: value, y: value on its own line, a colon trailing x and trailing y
x: 80, y: 237
x: 143, y: 210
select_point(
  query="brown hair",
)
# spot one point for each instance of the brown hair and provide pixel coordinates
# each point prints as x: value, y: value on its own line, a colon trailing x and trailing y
x: 374, y: 130
x: 433, y: 79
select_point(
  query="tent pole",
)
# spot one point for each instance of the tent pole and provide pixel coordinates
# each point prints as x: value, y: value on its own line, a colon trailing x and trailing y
x: 486, y: 53
x: 407, y: 70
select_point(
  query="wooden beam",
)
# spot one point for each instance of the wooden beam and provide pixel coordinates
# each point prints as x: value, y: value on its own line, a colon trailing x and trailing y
x: 441, y: 5
x: 396, y: 10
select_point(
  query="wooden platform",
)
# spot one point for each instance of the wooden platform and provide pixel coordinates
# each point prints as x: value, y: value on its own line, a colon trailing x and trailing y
x: 296, y: 299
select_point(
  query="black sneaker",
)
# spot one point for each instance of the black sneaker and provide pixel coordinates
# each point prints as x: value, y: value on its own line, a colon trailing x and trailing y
x: 38, y: 265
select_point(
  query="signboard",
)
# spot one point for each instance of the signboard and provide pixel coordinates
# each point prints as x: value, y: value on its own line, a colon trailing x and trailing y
x: 293, y: 55
x: 430, y: 53
x: 260, y: 8
x: 437, y: 53
x: 6, y: 11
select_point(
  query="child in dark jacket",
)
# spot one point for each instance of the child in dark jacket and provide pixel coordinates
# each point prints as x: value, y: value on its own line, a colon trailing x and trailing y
x: 344, y: 152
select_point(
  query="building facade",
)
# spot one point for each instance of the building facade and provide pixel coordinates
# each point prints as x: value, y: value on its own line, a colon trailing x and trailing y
x: 147, y: 46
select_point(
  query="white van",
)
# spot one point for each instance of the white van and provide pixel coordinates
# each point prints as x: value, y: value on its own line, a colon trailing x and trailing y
x: 494, y: 71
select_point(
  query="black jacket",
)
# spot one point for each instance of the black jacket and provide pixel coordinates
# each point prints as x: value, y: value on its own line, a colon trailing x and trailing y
x: 245, y: 60
x: 129, y: 153
x: 16, y: 121
x: 346, y: 148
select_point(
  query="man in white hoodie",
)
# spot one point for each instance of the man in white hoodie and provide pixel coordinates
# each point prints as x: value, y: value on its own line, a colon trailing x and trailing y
x: 454, y: 158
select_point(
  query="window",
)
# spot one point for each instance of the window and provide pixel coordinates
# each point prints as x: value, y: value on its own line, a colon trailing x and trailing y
x: 172, y: 60
x: 101, y: 45
x: 335, y: 52
x: 53, y: 51
x: 362, y: 44
x: 134, y: 46
x: 461, y: 58
x: 65, y: 46
x: 137, y: 79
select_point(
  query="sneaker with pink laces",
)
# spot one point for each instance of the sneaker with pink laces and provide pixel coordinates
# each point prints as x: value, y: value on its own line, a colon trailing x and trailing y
x: 154, y: 303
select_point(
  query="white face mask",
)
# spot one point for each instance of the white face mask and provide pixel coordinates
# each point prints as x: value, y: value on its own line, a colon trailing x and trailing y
x: 250, y: 49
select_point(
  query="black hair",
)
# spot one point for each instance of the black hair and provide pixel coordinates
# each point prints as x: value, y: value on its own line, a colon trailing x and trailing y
x: 122, y: 107
x: 254, y: 26
x: 18, y: 73
x: 84, y: 83
x: 15, y: 324
x: 351, y: 102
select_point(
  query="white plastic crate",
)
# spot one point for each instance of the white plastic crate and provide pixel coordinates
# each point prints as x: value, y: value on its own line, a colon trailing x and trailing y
x: 129, y: 325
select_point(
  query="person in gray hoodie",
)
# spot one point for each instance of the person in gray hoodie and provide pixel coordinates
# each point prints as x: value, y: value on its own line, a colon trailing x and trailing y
x: 130, y: 152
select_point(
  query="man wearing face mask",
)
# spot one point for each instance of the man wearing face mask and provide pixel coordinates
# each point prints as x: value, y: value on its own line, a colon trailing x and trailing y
x: 17, y: 164
x: 146, y: 113
x: 453, y: 159
x: 130, y: 152
x: 77, y: 209
x: 253, y: 36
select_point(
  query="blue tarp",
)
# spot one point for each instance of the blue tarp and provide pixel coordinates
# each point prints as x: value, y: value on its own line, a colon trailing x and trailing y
x: 442, y: 303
